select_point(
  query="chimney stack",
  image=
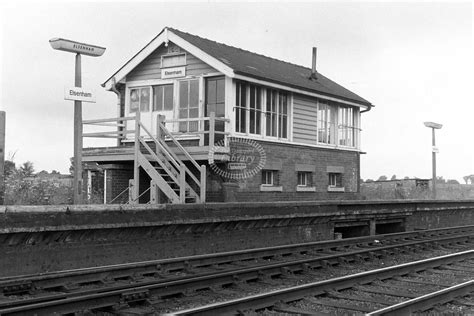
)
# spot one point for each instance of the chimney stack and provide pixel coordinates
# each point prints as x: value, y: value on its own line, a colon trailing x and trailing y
x: 313, y: 70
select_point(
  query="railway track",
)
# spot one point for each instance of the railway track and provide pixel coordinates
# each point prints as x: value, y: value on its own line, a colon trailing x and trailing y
x: 119, y: 286
x: 405, y: 289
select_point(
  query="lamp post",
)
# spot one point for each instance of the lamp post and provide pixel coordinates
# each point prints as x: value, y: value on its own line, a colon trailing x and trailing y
x: 78, y: 96
x: 434, y: 150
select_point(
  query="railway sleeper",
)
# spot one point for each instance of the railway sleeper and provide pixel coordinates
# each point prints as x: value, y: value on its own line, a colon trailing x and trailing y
x: 378, y: 290
x: 402, y: 279
x: 339, y: 295
x: 282, y: 307
x: 17, y: 289
x: 340, y: 305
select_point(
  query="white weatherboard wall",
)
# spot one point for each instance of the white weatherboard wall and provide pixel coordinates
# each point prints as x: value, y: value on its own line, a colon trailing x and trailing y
x: 304, y: 120
x: 150, y: 68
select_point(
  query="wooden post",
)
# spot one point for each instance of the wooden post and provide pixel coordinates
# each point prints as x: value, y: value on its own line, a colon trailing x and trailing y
x: 203, y: 184
x: 154, y: 193
x: 212, y: 122
x: 78, y: 137
x: 131, y: 192
x: 2, y: 156
x: 182, y: 183
x: 136, y: 166
x: 161, y: 122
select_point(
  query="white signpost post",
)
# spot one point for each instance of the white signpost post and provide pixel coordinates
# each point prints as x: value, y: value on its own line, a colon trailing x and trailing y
x: 78, y: 95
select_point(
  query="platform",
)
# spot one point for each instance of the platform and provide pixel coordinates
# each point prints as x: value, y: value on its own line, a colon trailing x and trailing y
x: 46, y: 238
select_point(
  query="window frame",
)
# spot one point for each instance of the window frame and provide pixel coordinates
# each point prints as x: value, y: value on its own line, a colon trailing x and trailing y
x: 163, y: 97
x: 337, y: 177
x: 188, y: 108
x: 272, y: 178
x: 150, y: 99
x: 173, y: 55
x: 306, y: 176
x: 274, y: 114
x: 326, y: 124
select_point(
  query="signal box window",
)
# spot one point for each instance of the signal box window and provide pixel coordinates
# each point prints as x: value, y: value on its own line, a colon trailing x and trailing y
x: 335, y: 180
x: 304, y: 179
x: 188, y: 105
x: 163, y: 98
x: 140, y: 98
x: 269, y: 177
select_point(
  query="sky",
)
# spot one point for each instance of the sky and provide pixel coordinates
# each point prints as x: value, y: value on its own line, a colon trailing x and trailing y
x: 412, y: 60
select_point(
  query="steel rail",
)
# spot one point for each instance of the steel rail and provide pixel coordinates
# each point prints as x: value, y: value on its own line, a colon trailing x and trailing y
x: 267, y: 300
x: 110, y: 296
x: 426, y: 301
x: 87, y: 275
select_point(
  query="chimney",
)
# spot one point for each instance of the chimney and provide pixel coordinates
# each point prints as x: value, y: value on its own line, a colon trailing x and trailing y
x: 313, y: 69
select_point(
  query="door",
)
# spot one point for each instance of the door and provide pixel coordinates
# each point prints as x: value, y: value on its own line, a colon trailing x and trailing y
x: 163, y: 105
x: 215, y: 102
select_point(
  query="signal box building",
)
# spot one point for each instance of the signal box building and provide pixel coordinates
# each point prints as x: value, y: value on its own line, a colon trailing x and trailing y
x: 201, y: 121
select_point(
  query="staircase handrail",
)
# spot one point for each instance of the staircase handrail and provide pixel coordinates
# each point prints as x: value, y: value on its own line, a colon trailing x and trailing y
x: 156, y: 158
x: 178, y: 145
x: 173, y: 158
x: 170, y: 155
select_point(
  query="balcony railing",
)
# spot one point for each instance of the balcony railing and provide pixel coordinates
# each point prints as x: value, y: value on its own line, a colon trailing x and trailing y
x: 208, y: 130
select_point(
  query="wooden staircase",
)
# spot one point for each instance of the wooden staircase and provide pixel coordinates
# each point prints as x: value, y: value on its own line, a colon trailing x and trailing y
x: 171, y: 179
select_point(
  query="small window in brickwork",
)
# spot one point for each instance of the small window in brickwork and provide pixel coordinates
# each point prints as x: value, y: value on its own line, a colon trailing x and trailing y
x: 304, y: 179
x: 335, y: 180
x: 269, y: 177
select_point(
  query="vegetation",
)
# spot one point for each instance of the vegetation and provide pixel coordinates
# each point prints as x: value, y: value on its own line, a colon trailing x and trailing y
x: 23, y: 187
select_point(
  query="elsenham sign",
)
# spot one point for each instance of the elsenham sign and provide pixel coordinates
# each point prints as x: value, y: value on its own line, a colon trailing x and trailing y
x: 78, y: 94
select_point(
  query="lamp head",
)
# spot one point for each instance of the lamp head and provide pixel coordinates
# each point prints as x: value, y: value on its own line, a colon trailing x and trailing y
x: 76, y: 47
x: 433, y: 125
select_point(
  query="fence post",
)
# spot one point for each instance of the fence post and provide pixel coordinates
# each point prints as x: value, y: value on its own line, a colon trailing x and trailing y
x: 203, y: 184
x: 136, y: 165
x: 131, y: 191
x: 212, y: 122
x: 154, y: 193
x: 160, y: 121
x: 182, y: 183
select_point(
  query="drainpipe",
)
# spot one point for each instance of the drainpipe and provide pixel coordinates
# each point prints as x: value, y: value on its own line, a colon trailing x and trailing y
x: 119, y: 97
x: 367, y: 110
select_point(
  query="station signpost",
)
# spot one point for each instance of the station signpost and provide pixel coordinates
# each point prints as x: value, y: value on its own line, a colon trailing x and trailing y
x: 434, y: 151
x: 78, y: 95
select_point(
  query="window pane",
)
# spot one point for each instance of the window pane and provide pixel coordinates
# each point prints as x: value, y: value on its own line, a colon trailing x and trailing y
x: 220, y: 91
x: 183, y: 113
x: 284, y: 128
x: 157, y: 98
x: 134, y: 100
x: 145, y: 100
x: 183, y: 94
x: 194, y: 93
x: 168, y: 97
x: 194, y: 112
x: 243, y: 120
x: 211, y: 91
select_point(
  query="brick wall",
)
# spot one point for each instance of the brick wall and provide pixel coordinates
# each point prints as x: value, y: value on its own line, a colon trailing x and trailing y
x: 117, y: 182
x: 288, y: 156
x: 46, y: 238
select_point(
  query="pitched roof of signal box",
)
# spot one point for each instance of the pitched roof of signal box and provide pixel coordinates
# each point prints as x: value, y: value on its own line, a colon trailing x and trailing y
x: 265, y: 68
